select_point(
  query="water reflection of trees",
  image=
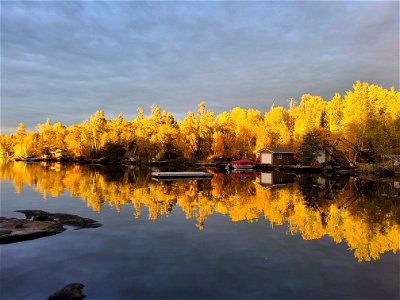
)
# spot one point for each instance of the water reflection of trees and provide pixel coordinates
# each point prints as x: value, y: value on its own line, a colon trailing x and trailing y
x: 361, y: 212
x: 364, y: 214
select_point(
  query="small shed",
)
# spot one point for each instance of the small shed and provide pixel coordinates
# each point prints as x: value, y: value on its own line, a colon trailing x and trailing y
x: 275, y: 156
x: 321, y: 156
x: 58, y: 154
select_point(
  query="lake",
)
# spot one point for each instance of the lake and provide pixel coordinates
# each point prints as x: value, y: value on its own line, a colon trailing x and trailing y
x: 234, y: 236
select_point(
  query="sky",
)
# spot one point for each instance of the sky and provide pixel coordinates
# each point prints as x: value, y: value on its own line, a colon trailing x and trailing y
x: 64, y: 60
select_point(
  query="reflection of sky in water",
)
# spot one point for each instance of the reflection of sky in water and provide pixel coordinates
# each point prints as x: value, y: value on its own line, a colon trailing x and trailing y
x: 130, y: 258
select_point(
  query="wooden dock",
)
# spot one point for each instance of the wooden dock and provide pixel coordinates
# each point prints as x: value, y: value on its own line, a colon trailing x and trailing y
x: 298, y: 169
x: 180, y: 175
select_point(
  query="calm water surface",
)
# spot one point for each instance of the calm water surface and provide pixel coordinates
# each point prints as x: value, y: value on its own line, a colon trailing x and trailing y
x: 236, y: 236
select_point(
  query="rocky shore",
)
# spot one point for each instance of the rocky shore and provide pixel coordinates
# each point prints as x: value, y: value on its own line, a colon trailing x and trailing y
x: 39, y: 224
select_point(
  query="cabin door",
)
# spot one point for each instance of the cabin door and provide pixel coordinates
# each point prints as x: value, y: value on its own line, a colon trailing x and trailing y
x: 266, y: 158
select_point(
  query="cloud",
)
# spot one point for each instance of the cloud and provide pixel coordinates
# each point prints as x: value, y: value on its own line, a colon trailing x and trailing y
x: 65, y: 60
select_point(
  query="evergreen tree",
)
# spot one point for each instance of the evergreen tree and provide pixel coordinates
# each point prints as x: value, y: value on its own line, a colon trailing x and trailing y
x: 309, y: 148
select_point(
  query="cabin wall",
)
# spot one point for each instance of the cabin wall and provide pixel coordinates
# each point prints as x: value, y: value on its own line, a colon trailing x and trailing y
x: 276, y: 159
x: 282, y: 158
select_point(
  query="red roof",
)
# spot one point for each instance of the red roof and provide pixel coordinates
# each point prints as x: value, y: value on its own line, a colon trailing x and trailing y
x: 274, y: 150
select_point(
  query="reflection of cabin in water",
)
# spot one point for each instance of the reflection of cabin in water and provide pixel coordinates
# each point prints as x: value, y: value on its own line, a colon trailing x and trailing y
x: 275, y: 179
x: 275, y: 156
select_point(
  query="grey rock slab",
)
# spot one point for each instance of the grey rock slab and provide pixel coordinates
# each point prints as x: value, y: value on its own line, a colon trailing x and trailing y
x: 39, y: 224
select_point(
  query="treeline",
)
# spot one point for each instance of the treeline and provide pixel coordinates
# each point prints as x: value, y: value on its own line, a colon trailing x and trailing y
x: 368, y: 116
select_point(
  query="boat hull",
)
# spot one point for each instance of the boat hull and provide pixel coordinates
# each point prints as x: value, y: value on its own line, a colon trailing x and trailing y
x: 243, y: 167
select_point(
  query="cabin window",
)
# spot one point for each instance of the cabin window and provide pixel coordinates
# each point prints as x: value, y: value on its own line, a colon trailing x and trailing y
x: 280, y: 180
x: 279, y: 156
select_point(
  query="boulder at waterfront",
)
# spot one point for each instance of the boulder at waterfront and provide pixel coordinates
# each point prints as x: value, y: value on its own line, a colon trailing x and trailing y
x: 39, y: 224
x: 72, y: 291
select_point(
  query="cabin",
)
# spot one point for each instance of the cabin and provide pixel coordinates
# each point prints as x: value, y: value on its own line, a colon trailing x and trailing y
x: 275, y: 156
x: 59, y: 154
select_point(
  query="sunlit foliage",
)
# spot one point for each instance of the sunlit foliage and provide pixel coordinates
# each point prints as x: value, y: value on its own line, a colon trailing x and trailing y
x: 368, y: 116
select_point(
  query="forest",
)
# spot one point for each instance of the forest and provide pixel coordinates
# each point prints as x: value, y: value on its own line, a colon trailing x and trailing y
x: 368, y: 116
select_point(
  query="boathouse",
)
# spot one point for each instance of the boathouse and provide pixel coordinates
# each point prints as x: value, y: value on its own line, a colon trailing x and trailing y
x: 275, y: 156
x: 58, y: 154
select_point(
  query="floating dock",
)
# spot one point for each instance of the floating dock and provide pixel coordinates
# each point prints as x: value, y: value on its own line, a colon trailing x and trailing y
x: 180, y: 175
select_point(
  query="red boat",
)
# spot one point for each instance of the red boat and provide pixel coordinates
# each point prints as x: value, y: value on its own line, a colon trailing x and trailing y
x: 242, y: 164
